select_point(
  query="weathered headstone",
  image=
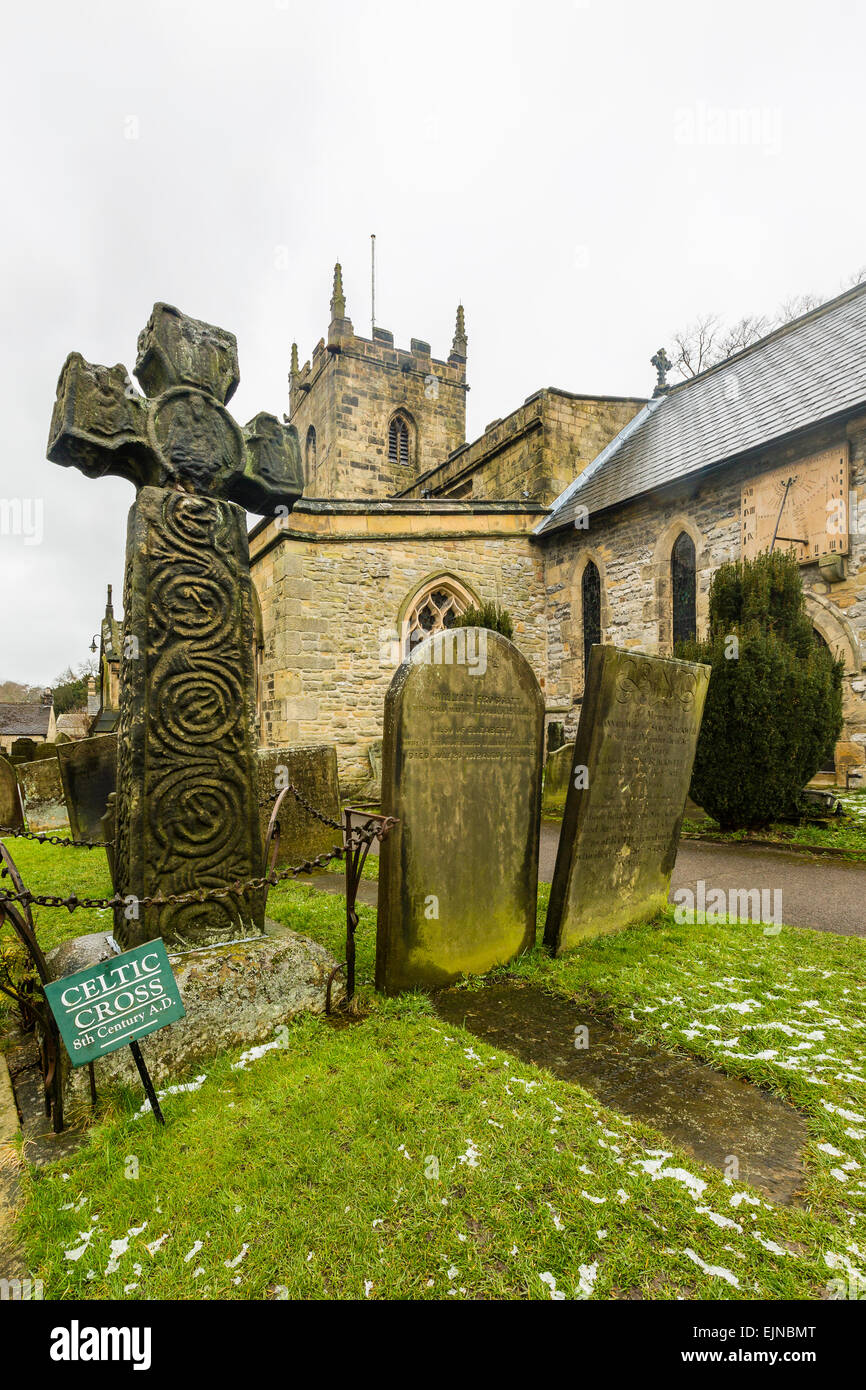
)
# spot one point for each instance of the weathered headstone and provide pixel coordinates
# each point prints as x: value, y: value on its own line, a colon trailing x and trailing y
x: 88, y: 770
x: 557, y: 772
x: 44, y: 750
x: 555, y: 736
x: 313, y: 770
x: 373, y: 790
x: 23, y: 750
x: 639, y: 726
x: 849, y: 758
x: 461, y: 771
x: 187, y: 797
x: 11, y: 814
x: 42, y: 791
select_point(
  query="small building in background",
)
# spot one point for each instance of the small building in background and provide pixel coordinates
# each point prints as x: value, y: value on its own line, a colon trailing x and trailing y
x: 32, y: 719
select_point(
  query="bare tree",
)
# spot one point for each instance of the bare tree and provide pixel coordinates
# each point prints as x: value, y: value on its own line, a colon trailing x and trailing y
x: 19, y: 692
x: 708, y: 341
x: 696, y: 348
x: 794, y: 306
x: 745, y: 331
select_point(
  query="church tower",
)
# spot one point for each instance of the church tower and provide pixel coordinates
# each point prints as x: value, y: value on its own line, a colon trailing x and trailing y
x: 371, y: 418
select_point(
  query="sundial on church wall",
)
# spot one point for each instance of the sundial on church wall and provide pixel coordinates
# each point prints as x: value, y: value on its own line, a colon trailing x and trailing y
x: 801, y: 507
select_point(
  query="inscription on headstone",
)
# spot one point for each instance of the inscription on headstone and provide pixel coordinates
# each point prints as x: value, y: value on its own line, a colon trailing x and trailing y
x: 461, y: 771
x: 88, y: 769
x: 636, y: 741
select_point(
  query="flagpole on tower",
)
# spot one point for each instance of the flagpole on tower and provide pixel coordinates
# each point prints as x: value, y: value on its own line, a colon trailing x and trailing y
x: 372, y: 281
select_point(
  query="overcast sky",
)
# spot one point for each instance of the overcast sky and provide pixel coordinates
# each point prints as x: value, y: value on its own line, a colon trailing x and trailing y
x: 587, y: 175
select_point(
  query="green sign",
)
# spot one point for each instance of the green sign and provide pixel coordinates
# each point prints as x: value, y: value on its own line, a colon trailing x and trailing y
x: 115, y: 1003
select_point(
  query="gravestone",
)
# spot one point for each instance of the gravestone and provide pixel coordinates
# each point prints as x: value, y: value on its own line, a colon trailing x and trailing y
x: 461, y: 771
x: 23, y: 750
x: 373, y: 790
x: 849, y: 757
x: 44, y: 750
x: 632, y: 764
x: 555, y: 736
x: 42, y: 792
x: 11, y: 814
x: 187, y: 780
x: 557, y: 773
x: 88, y: 770
x: 313, y: 770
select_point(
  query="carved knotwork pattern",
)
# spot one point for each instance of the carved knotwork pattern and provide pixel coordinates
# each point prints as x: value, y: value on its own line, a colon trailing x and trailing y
x: 197, y: 812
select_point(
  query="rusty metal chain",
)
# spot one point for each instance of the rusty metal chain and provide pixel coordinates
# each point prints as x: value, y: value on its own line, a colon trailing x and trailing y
x: 302, y: 801
x: 42, y: 838
x: 195, y: 895
x: 359, y: 836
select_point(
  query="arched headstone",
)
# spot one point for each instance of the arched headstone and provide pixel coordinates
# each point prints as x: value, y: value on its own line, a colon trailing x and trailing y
x: 461, y: 772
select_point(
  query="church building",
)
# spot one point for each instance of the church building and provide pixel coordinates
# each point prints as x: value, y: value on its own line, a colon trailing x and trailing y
x: 589, y: 518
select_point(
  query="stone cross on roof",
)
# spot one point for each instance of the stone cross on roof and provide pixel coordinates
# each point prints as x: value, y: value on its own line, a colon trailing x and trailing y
x: 662, y: 364
x: 180, y: 434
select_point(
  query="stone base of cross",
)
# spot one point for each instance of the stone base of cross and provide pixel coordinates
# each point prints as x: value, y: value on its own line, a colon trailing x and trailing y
x: 187, y: 816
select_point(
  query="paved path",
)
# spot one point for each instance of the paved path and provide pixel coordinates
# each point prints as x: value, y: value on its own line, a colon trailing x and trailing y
x: 817, y: 891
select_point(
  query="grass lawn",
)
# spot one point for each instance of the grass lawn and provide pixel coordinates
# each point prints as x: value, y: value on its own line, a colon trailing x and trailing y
x: 846, y: 833
x: 400, y: 1157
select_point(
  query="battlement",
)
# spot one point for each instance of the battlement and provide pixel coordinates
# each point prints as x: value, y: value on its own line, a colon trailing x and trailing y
x: 380, y: 349
x: 371, y: 416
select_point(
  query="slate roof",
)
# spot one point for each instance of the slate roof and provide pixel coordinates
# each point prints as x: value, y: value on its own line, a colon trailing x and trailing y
x: 76, y: 723
x: 25, y: 719
x: 807, y: 371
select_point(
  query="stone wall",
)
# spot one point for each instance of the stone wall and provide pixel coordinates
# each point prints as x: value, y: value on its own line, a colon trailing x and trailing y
x: 348, y: 393
x: 334, y: 581
x: 632, y: 548
x: 536, y: 450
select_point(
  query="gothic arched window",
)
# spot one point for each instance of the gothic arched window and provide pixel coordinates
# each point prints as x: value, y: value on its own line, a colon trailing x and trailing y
x: 684, y: 589
x: 310, y: 455
x: 398, y: 440
x: 590, y: 593
x: 435, y: 608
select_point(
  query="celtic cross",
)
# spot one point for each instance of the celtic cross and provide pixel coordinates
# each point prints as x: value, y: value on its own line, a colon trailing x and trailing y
x: 179, y: 435
x: 187, y: 829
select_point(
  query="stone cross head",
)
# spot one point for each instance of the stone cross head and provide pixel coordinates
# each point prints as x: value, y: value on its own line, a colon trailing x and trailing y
x: 662, y: 364
x: 179, y: 434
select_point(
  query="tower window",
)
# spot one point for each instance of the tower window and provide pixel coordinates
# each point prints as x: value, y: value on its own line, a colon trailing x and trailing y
x: 683, y: 588
x: 310, y: 460
x: 398, y: 441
